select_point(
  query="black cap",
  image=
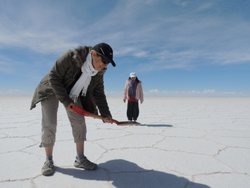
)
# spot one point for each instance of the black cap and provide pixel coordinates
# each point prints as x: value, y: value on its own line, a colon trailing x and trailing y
x: 105, y: 51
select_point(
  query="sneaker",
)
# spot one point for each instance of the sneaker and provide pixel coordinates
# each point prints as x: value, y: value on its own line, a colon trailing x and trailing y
x: 85, y: 164
x: 48, y: 168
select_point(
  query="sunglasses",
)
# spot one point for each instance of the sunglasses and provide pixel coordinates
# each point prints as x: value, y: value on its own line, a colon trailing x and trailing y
x: 103, y: 60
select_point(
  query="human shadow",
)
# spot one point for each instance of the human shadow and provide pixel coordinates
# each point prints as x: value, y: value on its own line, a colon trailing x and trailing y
x: 126, y: 174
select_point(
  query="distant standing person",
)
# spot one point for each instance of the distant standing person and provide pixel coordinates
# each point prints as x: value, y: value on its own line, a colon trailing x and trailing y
x: 133, y: 93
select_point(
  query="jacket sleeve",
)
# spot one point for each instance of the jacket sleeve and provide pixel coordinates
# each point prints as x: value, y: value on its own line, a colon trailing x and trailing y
x: 57, y: 78
x: 140, y: 92
x: 125, y: 95
x: 100, y: 97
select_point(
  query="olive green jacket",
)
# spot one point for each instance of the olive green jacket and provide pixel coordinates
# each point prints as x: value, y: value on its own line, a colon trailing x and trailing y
x: 62, y: 78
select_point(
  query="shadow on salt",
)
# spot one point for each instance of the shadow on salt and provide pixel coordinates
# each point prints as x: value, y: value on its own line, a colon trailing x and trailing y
x: 125, y: 174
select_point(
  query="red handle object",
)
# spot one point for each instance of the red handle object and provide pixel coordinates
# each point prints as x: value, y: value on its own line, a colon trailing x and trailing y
x: 83, y: 112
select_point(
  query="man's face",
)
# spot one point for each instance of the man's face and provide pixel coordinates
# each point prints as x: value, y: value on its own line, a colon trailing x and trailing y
x: 98, y: 62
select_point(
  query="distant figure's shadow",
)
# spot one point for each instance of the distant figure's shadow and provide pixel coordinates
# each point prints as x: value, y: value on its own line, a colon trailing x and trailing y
x: 125, y: 174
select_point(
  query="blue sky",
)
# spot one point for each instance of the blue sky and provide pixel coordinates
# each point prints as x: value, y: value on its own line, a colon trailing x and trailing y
x: 176, y: 47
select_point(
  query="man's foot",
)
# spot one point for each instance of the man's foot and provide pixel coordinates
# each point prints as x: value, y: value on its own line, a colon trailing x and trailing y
x: 85, y: 164
x: 48, y: 168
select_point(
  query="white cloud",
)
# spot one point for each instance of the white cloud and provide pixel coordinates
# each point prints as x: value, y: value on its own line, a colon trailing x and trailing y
x: 196, y: 93
x: 136, y: 29
x: 179, y: 41
x: 154, y: 91
x: 232, y: 57
x: 37, y: 26
x: 5, y: 65
x: 182, y: 3
x: 14, y: 92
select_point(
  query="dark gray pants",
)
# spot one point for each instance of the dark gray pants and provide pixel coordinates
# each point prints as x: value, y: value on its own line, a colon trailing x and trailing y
x: 133, y: 111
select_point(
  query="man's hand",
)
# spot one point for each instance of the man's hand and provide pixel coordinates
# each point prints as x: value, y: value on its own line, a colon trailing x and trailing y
x: 70, y: 107
x: 107, y: 119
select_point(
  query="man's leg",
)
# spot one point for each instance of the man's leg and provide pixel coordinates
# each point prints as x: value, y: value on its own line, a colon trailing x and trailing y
x: 81, y: 160
x: 49, y: 124
x: 49, y: 152
x: 79, y: 133
x: 80, y: 149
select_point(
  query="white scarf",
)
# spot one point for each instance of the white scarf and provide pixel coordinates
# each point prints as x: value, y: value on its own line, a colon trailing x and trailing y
x: 83, y: 82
